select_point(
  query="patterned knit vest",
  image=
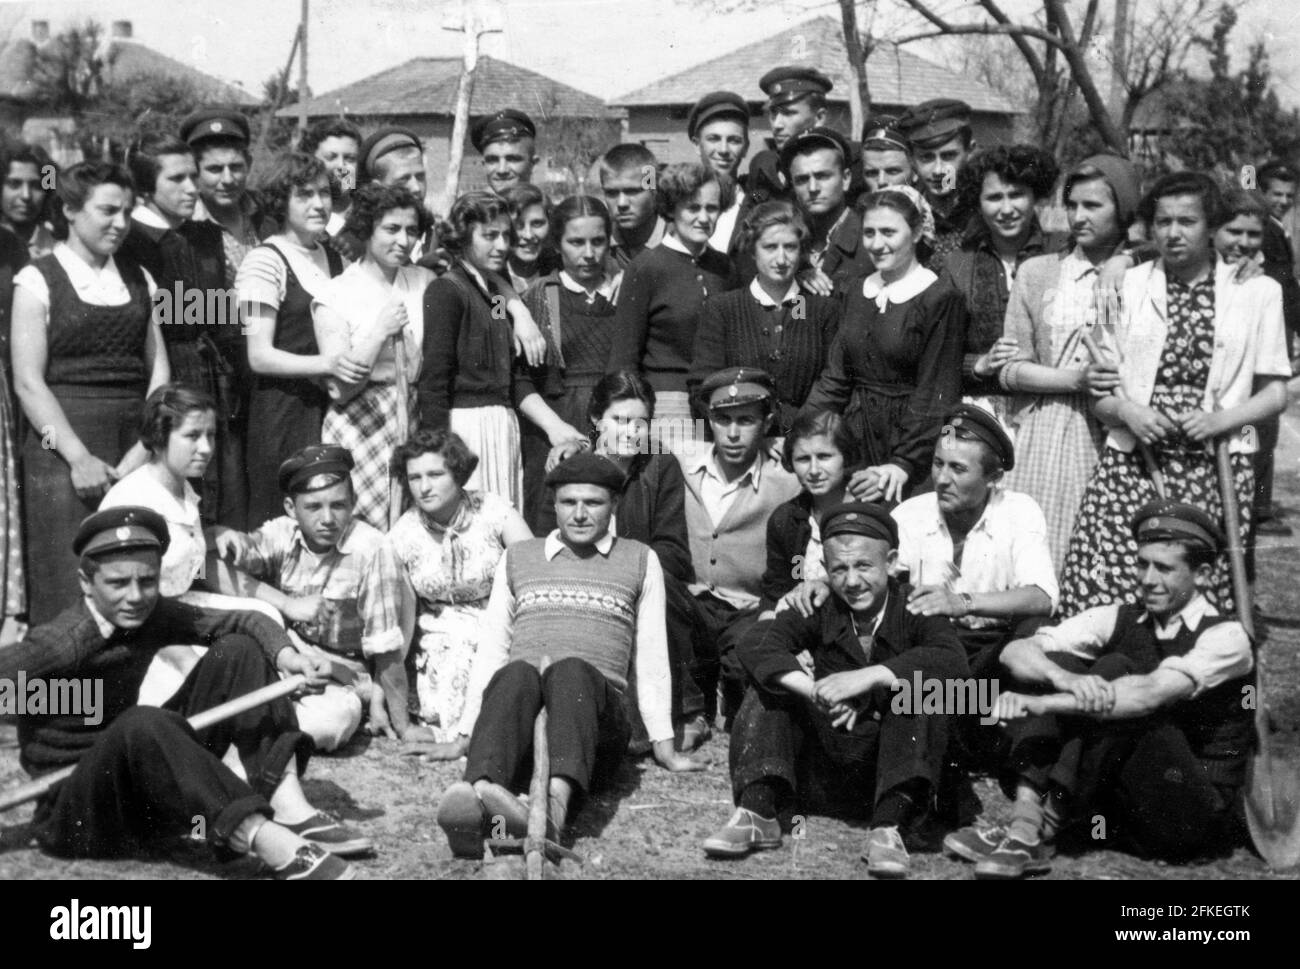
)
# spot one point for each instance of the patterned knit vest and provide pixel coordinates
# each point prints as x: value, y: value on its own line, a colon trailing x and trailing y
x: 96, y: 345
x: 577, y: 607
x: 1217, y: 724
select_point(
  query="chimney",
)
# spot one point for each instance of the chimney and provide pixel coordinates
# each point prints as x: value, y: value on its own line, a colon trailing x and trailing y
x: 122, y: 29
x: 40, y: 31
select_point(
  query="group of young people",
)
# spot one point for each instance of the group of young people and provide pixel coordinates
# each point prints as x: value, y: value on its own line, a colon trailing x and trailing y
x: 706, y: 451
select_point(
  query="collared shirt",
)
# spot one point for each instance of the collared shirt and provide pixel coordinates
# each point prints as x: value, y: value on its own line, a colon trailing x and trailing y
x: 278, y: 554
x: 106, y: 628
x: 716, y: 492
x: 97, y: 287
x: 1006, y: 549
x: 1221, y: 653
x: 182, y: 563
x: 673, y: 242
x: 913, y: 283
x: 759, y: 293
x: 147, y: 216
x: 233, y: 247
x: 653, y: 681
x: 726, y: 227
x: 608, y: 287
x: 818, y: 253
x: 623, y: 254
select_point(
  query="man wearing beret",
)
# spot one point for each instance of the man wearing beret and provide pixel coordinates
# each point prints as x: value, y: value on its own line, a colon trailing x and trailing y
x: 393, y: 156
x: 819, y: 723
x: 731, y: 491
x: 718, y: 126
x: 1135, y: 714
x: 142, y: 772
x: 796, y: 102
x: 309, y: 564
x: 817, y: 165
x: 507, y: 140
x: 591, y: 605
x: 941, y: 140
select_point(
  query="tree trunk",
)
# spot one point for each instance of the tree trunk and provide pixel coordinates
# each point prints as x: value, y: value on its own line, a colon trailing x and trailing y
x: 460, y: 121
x: 860, y: 93
x: 1082, y: 76
x: 1119, y: 53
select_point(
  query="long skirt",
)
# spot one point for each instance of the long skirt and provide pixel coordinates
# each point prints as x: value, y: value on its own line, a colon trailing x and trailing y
x: 1101, y: 565
x: 447, y: 642
x: 12, y: 583
x: 107, y: 421
x: 492, y: 433
x: 367, y: 426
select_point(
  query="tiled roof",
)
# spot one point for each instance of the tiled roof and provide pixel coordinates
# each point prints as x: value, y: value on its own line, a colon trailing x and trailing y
x: 427, y: 85
x: 129, y: 58
x: 896, y: 77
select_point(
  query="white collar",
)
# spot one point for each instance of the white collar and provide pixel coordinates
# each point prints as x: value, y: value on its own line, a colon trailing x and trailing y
x: 147, y: 216
x: 555, y: 545
x: 672, y: 242
x: 917, y: 280
x: 1191, y: 615
x: 1078, y: 265
x: 476, y: 276
x: 82, y: 274
x: 760, y: 294
x: 708, y: 464
x: 936, y: 524
x: 106, y: 628
x: 607, y: 287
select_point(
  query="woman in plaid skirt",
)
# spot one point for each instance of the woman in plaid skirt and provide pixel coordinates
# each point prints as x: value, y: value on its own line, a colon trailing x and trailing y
x: 373, y: 312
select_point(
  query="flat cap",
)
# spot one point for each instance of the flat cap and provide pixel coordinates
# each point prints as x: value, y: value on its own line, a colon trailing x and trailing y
x: 931, y: 123
x: 315, y: 467
x: 508, y: 124
x: 736, y: 386
x: 587, y: 468
x: 983, y: 426
x: 883, y: 134
x: 860, y: 518
x: 716, y: 104
x: 785, y: 84
x: 1163, y: 520
x: 114, y: 529
x: 811, y: 140
x: 214, y: 123
x: 381, y: 142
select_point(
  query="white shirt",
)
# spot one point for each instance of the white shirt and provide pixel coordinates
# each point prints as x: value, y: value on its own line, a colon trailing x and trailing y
x: 722, y: 232
x: 716, y: 492
x: 182, y: 564
x: 1219, y: 655
x: 650, y: 654
x: 608, y: 287
x: 1006, y: 549
x: 97, y: 287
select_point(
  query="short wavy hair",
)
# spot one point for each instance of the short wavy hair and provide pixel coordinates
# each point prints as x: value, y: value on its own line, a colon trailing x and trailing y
x: 762, y: 217
x: 78, y: 183
x: 469, y: 210
x: 1199, y: 184
x: 285, y: 173
x: 145, y: 159
x: 455, y: 453
x: 619, y: 385
x: 1239, y: 201
x: 372, y: 201
x: 817, y: 423
x: 1026, y: 165
x: 677, y: 184
x: 166, y: 409
x: 329, y: 128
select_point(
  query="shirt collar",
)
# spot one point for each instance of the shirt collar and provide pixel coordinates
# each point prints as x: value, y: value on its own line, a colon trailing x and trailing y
x: 82, y: 274
x: 343, y: 546
x: 760, y: 294
x: 917, y: 281
x: 605, y: 289
x: 555, y: 545
x: 936, y: 525
x: 671, y: 241
x: 147, y: 216
x: 656, y: 235
x: 476, y: 277
x: 201, y: 213
x: 106, y: 628
x: 1191, y: 615
x: 1077, y: 265
x: 708, y: 464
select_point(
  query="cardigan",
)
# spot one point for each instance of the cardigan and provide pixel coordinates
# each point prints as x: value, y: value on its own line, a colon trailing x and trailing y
x: 788, y: 532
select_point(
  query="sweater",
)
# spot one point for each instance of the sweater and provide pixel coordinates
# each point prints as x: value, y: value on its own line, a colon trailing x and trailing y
x: 189, y: 256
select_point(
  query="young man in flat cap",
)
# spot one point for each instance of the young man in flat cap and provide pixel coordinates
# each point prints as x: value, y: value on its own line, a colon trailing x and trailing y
x: 731, y: 490
x: 819, y: 722
x: 507, y: 141
x: 143, y: 774
x: 886, y: 161
x: 219, y: 138
x: 941, y: 140
x: 817, y: 166
x: 310, y: 564
x: 627, y: 180
x: 718, y: 126
x: 796, y: 102
x: 1136, y: 714
x: 593, y: 605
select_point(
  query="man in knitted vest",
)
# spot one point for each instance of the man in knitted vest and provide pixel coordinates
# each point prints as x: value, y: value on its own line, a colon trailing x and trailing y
x: 1134, y: 717
x: 592, y: 604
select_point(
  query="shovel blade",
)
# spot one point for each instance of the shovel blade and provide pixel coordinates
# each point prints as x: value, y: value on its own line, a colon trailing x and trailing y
x: 1273, y: 811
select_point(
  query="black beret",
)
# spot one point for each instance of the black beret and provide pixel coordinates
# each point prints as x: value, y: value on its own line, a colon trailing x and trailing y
x: 508, y: 124
x: 985, y: 427
x: 1163, y: 520
x: 785, y: 84
x: 716, y: 104
x: 811, y: 140
x: 214, y: 123
x: 883, y: 134
x: 931, y: 123
x: 587, y: 468
x: 315, y: 467
x: 860, y: 518
x: 736, y: 386
x: 128, y: 526
x: 381, y: 142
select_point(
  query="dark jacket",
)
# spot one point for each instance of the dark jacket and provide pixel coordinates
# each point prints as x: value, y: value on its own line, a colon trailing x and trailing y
x: 788, y: 532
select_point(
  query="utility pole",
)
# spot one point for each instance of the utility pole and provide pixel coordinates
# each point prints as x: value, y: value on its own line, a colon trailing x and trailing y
x: 474, y: 19
x: 304, y: 92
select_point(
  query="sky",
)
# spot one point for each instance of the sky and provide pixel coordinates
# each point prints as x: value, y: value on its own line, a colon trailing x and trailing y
x: 605, y: 47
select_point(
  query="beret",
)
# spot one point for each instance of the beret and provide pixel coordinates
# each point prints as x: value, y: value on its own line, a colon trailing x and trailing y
x: 214, y: 123
x: 736, y: 386
x: 785, y: 84
x: 314, y: 467
x: 508, y: 124
x: 1163, y: 520
x: 381, y: 142
x: 127, y: 526
x: 931, y: 123
x: 883, y: 134
x: 716, y: 104
x: 811, y: 140
x: 983, y: 426
x: 860, y: 518
x: 587, y: 468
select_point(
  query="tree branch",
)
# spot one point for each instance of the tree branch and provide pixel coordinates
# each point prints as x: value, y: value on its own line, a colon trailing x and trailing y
x: 1082, y: 76
x: 998, y: 30
x: 1036, y: 66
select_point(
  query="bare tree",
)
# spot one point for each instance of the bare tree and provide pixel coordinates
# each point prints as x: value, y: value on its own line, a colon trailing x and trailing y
x: 68, y: 73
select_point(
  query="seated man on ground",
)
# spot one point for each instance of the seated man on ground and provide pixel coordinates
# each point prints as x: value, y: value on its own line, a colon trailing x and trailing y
x: 1132, y: 713
x: 142, y: 773
x: 827, y: 720
x: 593, y: 604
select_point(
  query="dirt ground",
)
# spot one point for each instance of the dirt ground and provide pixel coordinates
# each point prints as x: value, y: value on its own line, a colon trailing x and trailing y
x: 651, y: 823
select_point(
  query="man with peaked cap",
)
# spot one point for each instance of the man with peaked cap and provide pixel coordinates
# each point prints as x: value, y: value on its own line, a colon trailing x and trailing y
x: 732, y: 488
x: 886, y: 161
x: 572, y: 616
x: 940, y: 137
x: 142, y: 772
x: 817, y: 165
x: 310, y: 564
x: 796, y: 102
x: 507, y: 140
x: 821, y: 724
x: 219, y: 139
x: 718, y: 126
x: 1139, y: 715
